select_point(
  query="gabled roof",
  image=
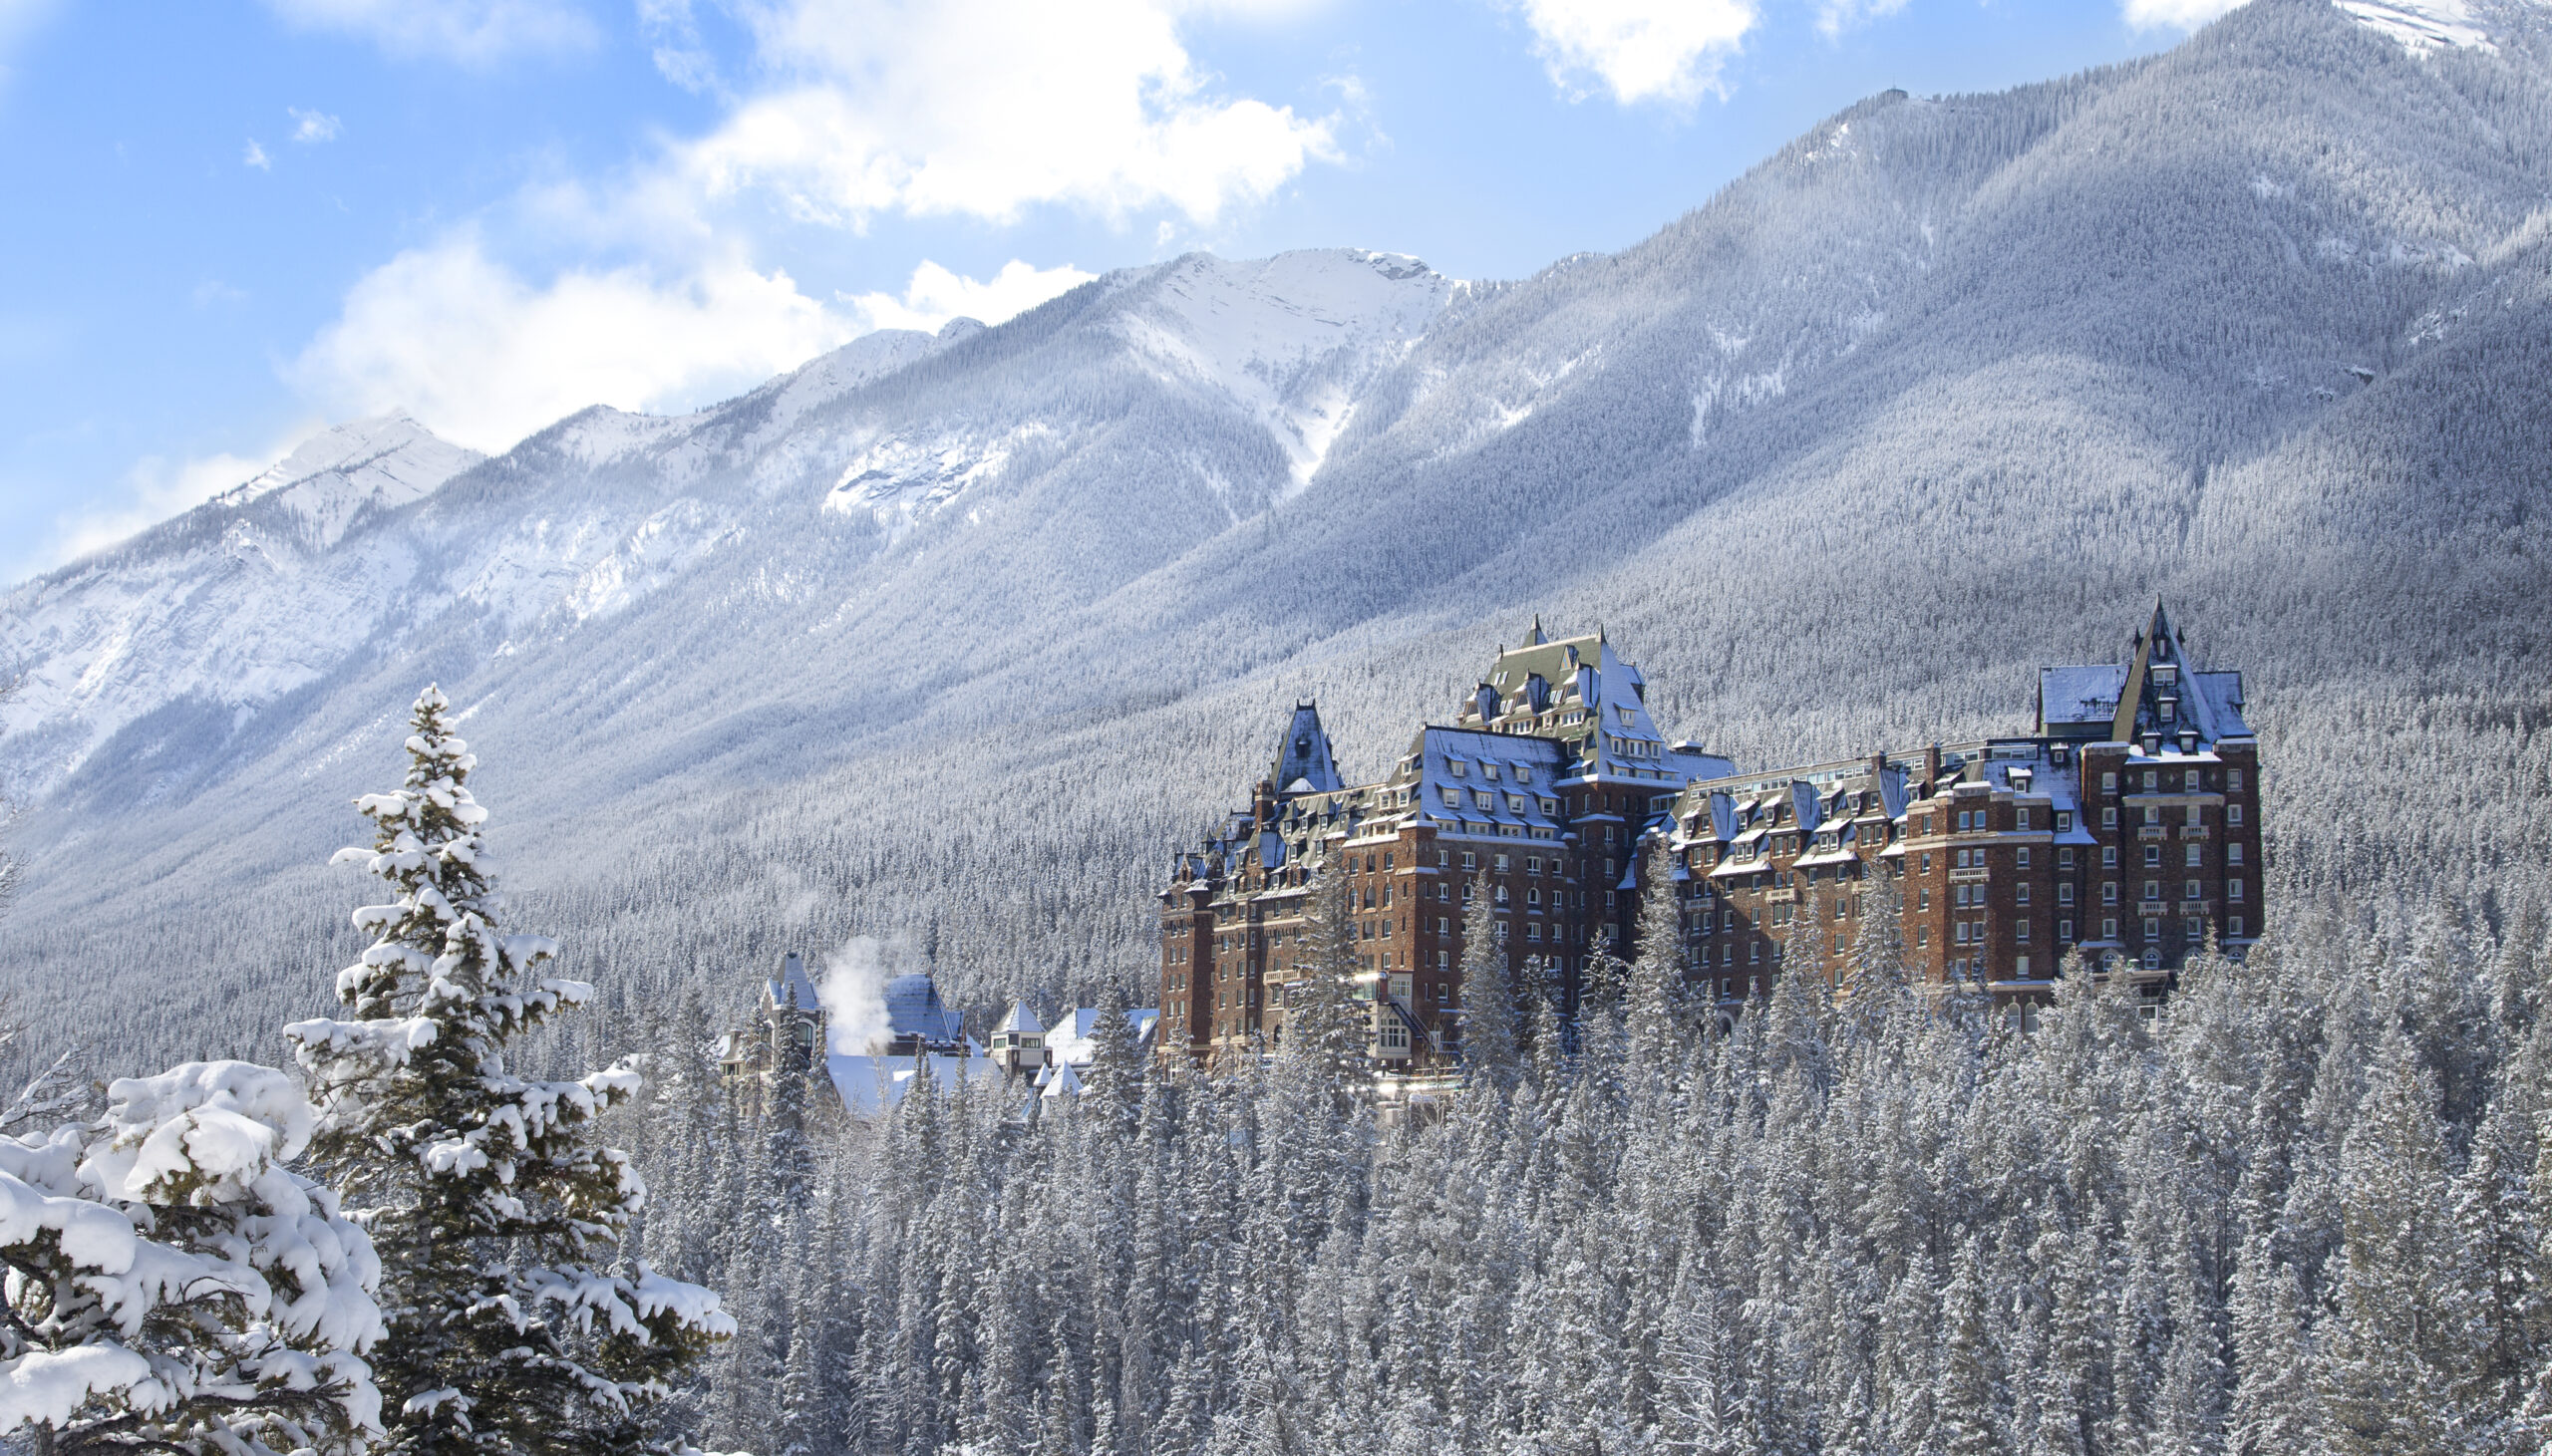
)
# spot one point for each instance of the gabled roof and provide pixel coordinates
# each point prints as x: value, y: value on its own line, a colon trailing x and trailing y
x: 1020, y: 1023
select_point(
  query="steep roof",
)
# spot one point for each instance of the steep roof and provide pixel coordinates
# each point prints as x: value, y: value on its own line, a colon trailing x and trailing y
x: 791, y: 989
x: 1304, y: 763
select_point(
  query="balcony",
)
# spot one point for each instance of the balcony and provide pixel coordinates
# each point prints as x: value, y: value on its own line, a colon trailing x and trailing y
x: 2196, y: 831
x: 2153, y: 831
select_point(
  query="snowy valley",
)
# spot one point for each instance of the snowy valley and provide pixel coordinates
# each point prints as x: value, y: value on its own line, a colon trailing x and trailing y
x: 953, y: 639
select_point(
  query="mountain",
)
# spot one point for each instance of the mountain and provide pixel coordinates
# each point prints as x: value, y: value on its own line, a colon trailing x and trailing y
x: 956, y: 637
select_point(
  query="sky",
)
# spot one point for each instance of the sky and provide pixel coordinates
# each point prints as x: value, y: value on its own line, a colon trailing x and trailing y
x: 233, y: 224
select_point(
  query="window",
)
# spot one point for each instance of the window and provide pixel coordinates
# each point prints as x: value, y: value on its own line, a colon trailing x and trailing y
x: 2108, y: 817
x: 2108, y: 930
x: 1471, y: 861
x: 2065, y: 930
x: 1446, y: 792
x: 1962, y: 821
x: 1922, y: 935
x: 2233, y: 780
x: 1460, y: 769
x: 2233, y: 854
x: 1533, y: 866
x: 1443, y: 860
x: 1443, y: 924
x: 1518, y: 805
x: 2065, y: 822
x: 1922, y: 899
x: 1755, y: 953
x: 1386, y: 864
x: 1533, y: 897
x: 1489, y: 771
x: 1523, y: 773
x: 1926, y: 862
x: 2021, y: 894
x: 2152, y: 889
x: 2233, y: 891
x: 2108, y: 892
x: 1958, y: 932
x: 1482, y: 798
x: 2232, y: 815
x: 2020, y: 931
x: 1533, y: 931
x: 2108, y: 783
x: 2152, y: 780
x: 2190, y: 891
x: 2020, y: 818
x: 1727, y: 955
x: 2152, y: 857
x: 2233, y: 925
x: 2152, y: 929
x: 2152, y: 813
x: 2021, y: 963
x: 2021, y: 858
x: 1551, y: 808
x: 2064, y: 894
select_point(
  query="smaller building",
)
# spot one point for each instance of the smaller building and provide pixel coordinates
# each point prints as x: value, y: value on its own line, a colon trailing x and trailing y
x: 784, y: 1064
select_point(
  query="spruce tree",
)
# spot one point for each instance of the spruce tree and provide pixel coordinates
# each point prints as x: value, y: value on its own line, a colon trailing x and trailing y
x: 494, y: 1209
x: 173, y: 1286
x: 1328, y: 1027
x: 1489, y: 994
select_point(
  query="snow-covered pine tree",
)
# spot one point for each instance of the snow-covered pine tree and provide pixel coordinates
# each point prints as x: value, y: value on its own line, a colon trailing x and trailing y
x: 173, y: 1288
x: 496, y: 1209
x: 1489, y: 994
x: 1327, y: 1025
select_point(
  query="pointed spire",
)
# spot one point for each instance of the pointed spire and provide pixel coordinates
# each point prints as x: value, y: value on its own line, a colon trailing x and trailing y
x: 1534, y: 638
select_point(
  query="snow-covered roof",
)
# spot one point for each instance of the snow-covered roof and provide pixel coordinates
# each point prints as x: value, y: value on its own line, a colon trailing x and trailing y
x: 2080, y: 694
x: 1304, y: 763
x: 1076, y: 1039
x: 871, y: 1085
x: 1061, y: 1082
x: 913, y: 1009
x: 791, y: 989
x: 1020, y: 1023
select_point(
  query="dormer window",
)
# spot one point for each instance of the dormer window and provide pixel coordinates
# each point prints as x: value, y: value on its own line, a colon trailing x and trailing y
x: 1457, y: 768
x: 1489, y: 771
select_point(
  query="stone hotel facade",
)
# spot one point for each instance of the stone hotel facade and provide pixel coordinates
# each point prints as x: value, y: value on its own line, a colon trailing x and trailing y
x: 2126, y: 828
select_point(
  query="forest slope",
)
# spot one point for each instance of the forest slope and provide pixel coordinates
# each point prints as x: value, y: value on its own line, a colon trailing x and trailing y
x: 957, y: 637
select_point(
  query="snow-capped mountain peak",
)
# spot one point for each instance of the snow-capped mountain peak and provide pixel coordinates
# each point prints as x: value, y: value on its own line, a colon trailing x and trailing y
x: 329, y: 478
x: 2428, y: 25
x: 1294, y: 337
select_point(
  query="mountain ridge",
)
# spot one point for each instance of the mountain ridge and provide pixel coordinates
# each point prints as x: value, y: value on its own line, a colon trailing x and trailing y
x: 1945, y: 387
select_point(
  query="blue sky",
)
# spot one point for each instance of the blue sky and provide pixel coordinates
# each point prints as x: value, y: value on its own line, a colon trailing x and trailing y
x: 234, y: 223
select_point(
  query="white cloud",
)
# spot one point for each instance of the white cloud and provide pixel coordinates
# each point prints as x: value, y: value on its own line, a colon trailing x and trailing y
x: 1665, y: 50
x: 484, y: 358
x: 473, y: 32
x: 156, y: 490
x: 2174, y: 14
x: 311, y: 127
x: 1833, y: 17
x: 985, y: 107
x: 256, y: 157
x: 935, y: 295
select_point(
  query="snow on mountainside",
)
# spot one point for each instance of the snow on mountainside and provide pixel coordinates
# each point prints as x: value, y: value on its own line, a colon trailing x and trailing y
x: 954, y: 637
x: 336, y: 475
x: 229, y: 606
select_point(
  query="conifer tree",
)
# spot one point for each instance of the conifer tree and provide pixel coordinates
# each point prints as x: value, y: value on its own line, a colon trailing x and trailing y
x: 1489, y: 994
x: 494, y: 1209
x: 172, y: 1288
x: 1327, y: 1024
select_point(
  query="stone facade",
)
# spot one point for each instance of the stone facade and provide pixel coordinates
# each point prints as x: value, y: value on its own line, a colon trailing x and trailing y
x: 2124, y: 827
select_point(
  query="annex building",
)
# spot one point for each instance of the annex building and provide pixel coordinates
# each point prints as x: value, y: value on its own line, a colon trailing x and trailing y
x: 2124, y: 826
